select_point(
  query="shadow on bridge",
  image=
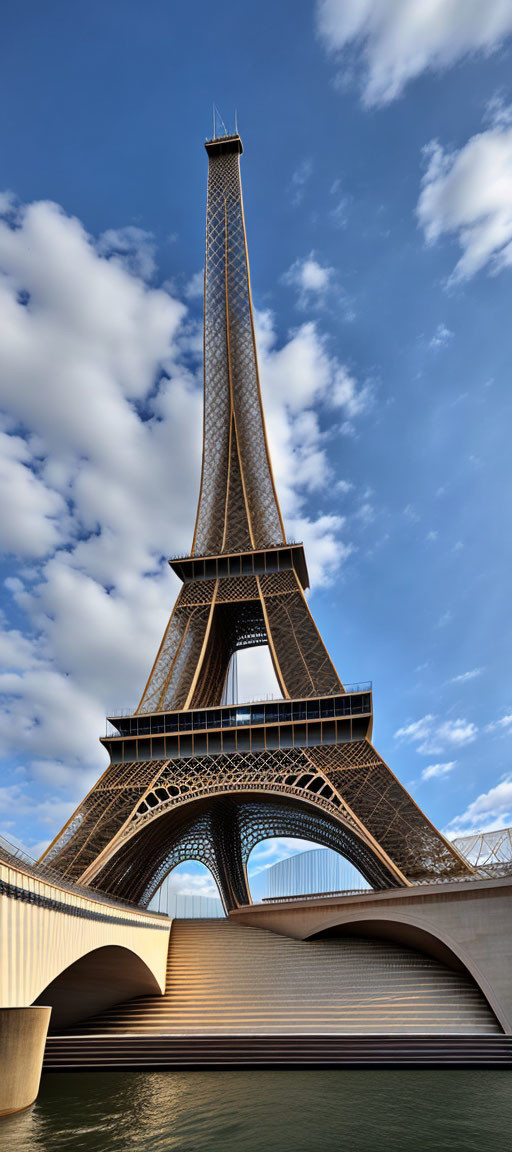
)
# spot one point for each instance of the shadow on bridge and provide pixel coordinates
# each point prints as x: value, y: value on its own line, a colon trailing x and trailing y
x: 103, y: 977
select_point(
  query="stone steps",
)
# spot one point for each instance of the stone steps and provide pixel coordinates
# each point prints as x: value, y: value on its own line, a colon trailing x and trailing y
x: 135, y: 1051
x: 244, y: 996
x: 226, y: 978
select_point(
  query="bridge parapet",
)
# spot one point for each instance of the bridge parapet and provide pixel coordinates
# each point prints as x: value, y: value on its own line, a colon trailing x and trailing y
x: 68, y: 951
x: 16, y: 858
x: 47, y: 926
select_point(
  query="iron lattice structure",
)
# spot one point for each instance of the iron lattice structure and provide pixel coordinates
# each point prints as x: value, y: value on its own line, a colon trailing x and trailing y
x: 189, y: 777
x: 238, y: 507
x: 489, y: 852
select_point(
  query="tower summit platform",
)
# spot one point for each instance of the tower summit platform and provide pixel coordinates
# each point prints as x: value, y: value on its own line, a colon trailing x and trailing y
x: 223, y: 145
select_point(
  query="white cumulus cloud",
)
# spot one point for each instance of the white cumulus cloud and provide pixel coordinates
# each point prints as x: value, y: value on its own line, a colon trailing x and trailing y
x: 433, y: 771
x: 441, y: 337
x: 299, y: 379
x: 310, y: 278
x: 269, y: 852
x: 132, y: 247
x: 432, y: 735
x: 180, y: 882
x: 490, y: 810
x: 195, y: 287
x: 29, y: 525
x: 396, y: 40
x: 300, y: 178
x: 503, y: 725
x: 467, y: 194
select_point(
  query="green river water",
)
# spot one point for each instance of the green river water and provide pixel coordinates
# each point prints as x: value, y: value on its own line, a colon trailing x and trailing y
x: 266, y: 1111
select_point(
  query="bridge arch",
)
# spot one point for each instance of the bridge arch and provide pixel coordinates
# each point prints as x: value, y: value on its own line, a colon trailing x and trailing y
x: 407, y: 928
x: 102, y: 977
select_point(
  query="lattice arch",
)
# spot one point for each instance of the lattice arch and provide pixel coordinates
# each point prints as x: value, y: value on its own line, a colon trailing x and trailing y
x: 220, y: 832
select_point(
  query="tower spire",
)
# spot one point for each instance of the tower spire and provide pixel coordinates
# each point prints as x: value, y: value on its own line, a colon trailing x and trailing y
x: 238, y: 507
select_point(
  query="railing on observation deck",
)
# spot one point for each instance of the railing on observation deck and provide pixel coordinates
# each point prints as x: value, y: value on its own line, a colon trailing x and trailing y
x: 269, y: 698
x: 213, y: 555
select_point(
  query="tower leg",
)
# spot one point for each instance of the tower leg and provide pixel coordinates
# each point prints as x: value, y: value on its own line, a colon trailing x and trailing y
x: 227, y: 847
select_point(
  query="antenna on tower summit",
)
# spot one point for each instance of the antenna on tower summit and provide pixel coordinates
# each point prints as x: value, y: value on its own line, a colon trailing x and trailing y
x: 217, y: 116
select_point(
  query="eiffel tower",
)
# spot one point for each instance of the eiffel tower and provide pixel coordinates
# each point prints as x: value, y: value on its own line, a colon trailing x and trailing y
x: 191, y: 777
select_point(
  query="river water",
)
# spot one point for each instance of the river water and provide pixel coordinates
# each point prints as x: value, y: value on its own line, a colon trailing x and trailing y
x: 266, y: 1111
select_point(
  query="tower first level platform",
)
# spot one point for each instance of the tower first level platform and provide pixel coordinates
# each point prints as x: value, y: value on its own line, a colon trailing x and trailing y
x: 209, y: 784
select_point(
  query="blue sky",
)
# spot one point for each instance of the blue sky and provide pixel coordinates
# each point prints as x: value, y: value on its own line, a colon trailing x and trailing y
x: 377, y: 179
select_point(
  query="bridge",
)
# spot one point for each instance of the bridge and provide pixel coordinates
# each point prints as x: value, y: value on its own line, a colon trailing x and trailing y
x: 410, y: 976
x: 65, y: 950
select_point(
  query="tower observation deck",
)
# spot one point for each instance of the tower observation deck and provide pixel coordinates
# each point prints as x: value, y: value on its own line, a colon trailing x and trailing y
x: 189, y: 777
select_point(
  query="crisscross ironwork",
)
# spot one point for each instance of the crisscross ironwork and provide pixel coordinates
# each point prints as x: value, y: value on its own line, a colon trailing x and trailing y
x: 238, y: 506
x: 148, y: 813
